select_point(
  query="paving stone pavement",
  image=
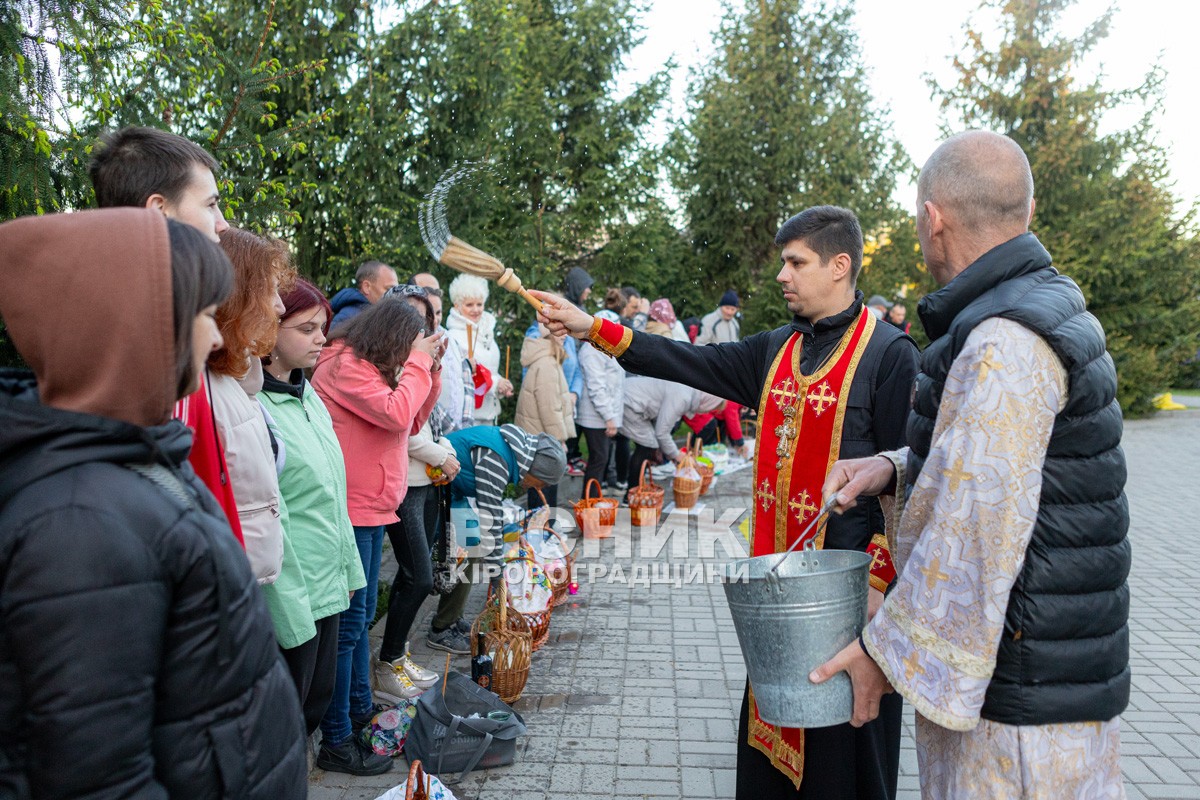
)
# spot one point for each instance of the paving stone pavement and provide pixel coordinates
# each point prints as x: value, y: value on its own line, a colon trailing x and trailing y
x: 636, y: 693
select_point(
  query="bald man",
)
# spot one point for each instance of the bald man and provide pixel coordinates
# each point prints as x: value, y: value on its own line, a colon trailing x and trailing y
x: 1007, y: 628
x: 425, y: 280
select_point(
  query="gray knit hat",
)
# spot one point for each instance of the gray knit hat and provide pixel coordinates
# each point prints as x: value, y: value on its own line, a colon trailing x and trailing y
x: 537, y: 454
x: 549, y: 460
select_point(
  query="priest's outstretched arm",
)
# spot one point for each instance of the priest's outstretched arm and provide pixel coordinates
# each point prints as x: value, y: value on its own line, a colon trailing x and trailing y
x: 733, y: 370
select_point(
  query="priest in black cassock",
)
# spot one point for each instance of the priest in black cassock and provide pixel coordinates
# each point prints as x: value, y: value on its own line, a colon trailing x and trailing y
x: 832, y: 384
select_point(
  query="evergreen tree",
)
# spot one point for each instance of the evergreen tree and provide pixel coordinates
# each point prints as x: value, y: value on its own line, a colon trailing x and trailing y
x: 781, y: 119
x: 527, y: 87
x: 1104, y: 208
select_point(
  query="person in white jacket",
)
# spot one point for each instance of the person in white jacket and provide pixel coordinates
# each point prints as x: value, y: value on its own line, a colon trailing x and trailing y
x: 652, y: 410
x: 601, y: 406
x: 474, y: 329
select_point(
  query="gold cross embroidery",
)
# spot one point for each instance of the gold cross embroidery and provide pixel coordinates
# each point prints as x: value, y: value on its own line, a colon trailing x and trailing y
x: 933, y: 573
x: 912, y: 666
x: 803, y: 506
x: 823, y: 398
x: 989, y: 363
x: 956, y: 475
x: 765, y: 494
x: 786, y: 393
x: 877, y: 560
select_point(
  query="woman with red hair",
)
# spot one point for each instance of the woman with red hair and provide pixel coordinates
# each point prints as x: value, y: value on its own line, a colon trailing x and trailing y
x: 312, y: 485
x: 249, y: 321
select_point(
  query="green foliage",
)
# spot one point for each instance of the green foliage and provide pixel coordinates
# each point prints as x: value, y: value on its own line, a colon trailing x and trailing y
x: 1104, y: 209
x: 780, y: 120
x: 48, y: 51
x: 526, y: 86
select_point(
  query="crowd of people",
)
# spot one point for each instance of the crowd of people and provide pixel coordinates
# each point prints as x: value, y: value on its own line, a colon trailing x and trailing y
x: 235, y: 447
x: 206, y: 457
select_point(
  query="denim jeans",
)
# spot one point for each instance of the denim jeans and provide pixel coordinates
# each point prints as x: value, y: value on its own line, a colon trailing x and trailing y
x: 352, y: 690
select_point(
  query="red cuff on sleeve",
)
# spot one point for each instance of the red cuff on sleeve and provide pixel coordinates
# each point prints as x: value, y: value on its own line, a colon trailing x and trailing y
x: 610, y: 337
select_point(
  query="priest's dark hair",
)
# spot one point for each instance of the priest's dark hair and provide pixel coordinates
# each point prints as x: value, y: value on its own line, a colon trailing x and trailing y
x: 827, y: 231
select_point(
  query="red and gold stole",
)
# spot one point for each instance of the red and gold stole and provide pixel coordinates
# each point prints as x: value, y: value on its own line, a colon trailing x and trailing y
x: 799, y: 438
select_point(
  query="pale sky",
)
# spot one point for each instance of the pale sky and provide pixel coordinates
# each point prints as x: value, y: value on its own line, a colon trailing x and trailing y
x: 902, y: 41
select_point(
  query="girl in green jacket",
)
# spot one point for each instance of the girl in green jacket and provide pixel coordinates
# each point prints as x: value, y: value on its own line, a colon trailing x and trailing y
x: 313, y: 484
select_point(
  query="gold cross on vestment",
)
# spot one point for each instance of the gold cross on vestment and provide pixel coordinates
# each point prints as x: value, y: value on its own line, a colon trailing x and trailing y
x: 786, y: 393
x: 933, y: 573
x: 823, y: 398
x: 765, y: 494
x: 912, y: 666
x: 803, y: 506
x: 989, y: 363
x: 877, y: 559
x: 956, y: 475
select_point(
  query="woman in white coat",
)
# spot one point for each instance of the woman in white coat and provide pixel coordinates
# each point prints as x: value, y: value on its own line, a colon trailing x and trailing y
x: 474, y: 329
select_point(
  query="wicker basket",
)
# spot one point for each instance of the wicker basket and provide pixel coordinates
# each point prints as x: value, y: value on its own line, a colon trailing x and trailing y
x: 560, y: 583
x: 561, y: 580
x: 597, y: 515
x: 538, y: 621
x: 508, y: 639
x: 686, y: 489
x: 645, y: 499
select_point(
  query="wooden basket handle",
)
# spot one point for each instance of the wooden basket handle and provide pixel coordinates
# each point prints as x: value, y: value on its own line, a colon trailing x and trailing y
x: 417, y: 787
x: 587, y: 490
x: 645, y: 478
x: 503, y: 602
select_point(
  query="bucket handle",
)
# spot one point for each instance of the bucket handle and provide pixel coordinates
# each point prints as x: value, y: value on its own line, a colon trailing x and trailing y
x: 772, y: 575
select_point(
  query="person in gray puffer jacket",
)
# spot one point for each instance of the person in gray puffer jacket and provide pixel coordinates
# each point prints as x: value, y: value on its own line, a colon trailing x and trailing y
x: 137, y: 656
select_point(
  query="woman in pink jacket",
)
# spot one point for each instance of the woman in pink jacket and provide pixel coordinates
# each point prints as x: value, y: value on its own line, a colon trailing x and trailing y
x: 379, y: 378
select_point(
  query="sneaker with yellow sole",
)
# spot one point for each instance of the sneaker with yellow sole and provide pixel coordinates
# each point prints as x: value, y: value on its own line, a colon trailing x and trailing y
x: 421, y: 677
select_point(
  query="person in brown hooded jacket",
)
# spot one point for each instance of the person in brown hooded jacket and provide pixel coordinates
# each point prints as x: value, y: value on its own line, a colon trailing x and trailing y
x: 138, y: 659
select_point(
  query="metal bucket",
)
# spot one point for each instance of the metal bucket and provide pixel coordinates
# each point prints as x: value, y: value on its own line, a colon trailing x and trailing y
x: 794, y: 621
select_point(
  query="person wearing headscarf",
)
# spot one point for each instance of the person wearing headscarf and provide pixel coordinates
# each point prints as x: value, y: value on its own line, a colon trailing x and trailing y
x: 663, y: 321
x: 139, y: 658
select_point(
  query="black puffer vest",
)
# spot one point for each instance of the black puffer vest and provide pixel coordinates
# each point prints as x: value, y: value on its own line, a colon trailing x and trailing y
x: 1064, y: 655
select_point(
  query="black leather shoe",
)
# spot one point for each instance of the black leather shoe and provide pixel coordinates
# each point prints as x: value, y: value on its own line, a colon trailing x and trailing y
x: 353, y: 758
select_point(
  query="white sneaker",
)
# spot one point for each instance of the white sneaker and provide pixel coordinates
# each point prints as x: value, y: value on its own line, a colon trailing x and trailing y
x: 392, y: 684
x: 421, y: 677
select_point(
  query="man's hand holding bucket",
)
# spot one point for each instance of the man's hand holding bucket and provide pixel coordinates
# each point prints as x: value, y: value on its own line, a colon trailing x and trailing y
x: 849, y: 480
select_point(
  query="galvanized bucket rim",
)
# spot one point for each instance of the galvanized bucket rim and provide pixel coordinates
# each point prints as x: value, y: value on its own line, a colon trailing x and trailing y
x: 728, y: 567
